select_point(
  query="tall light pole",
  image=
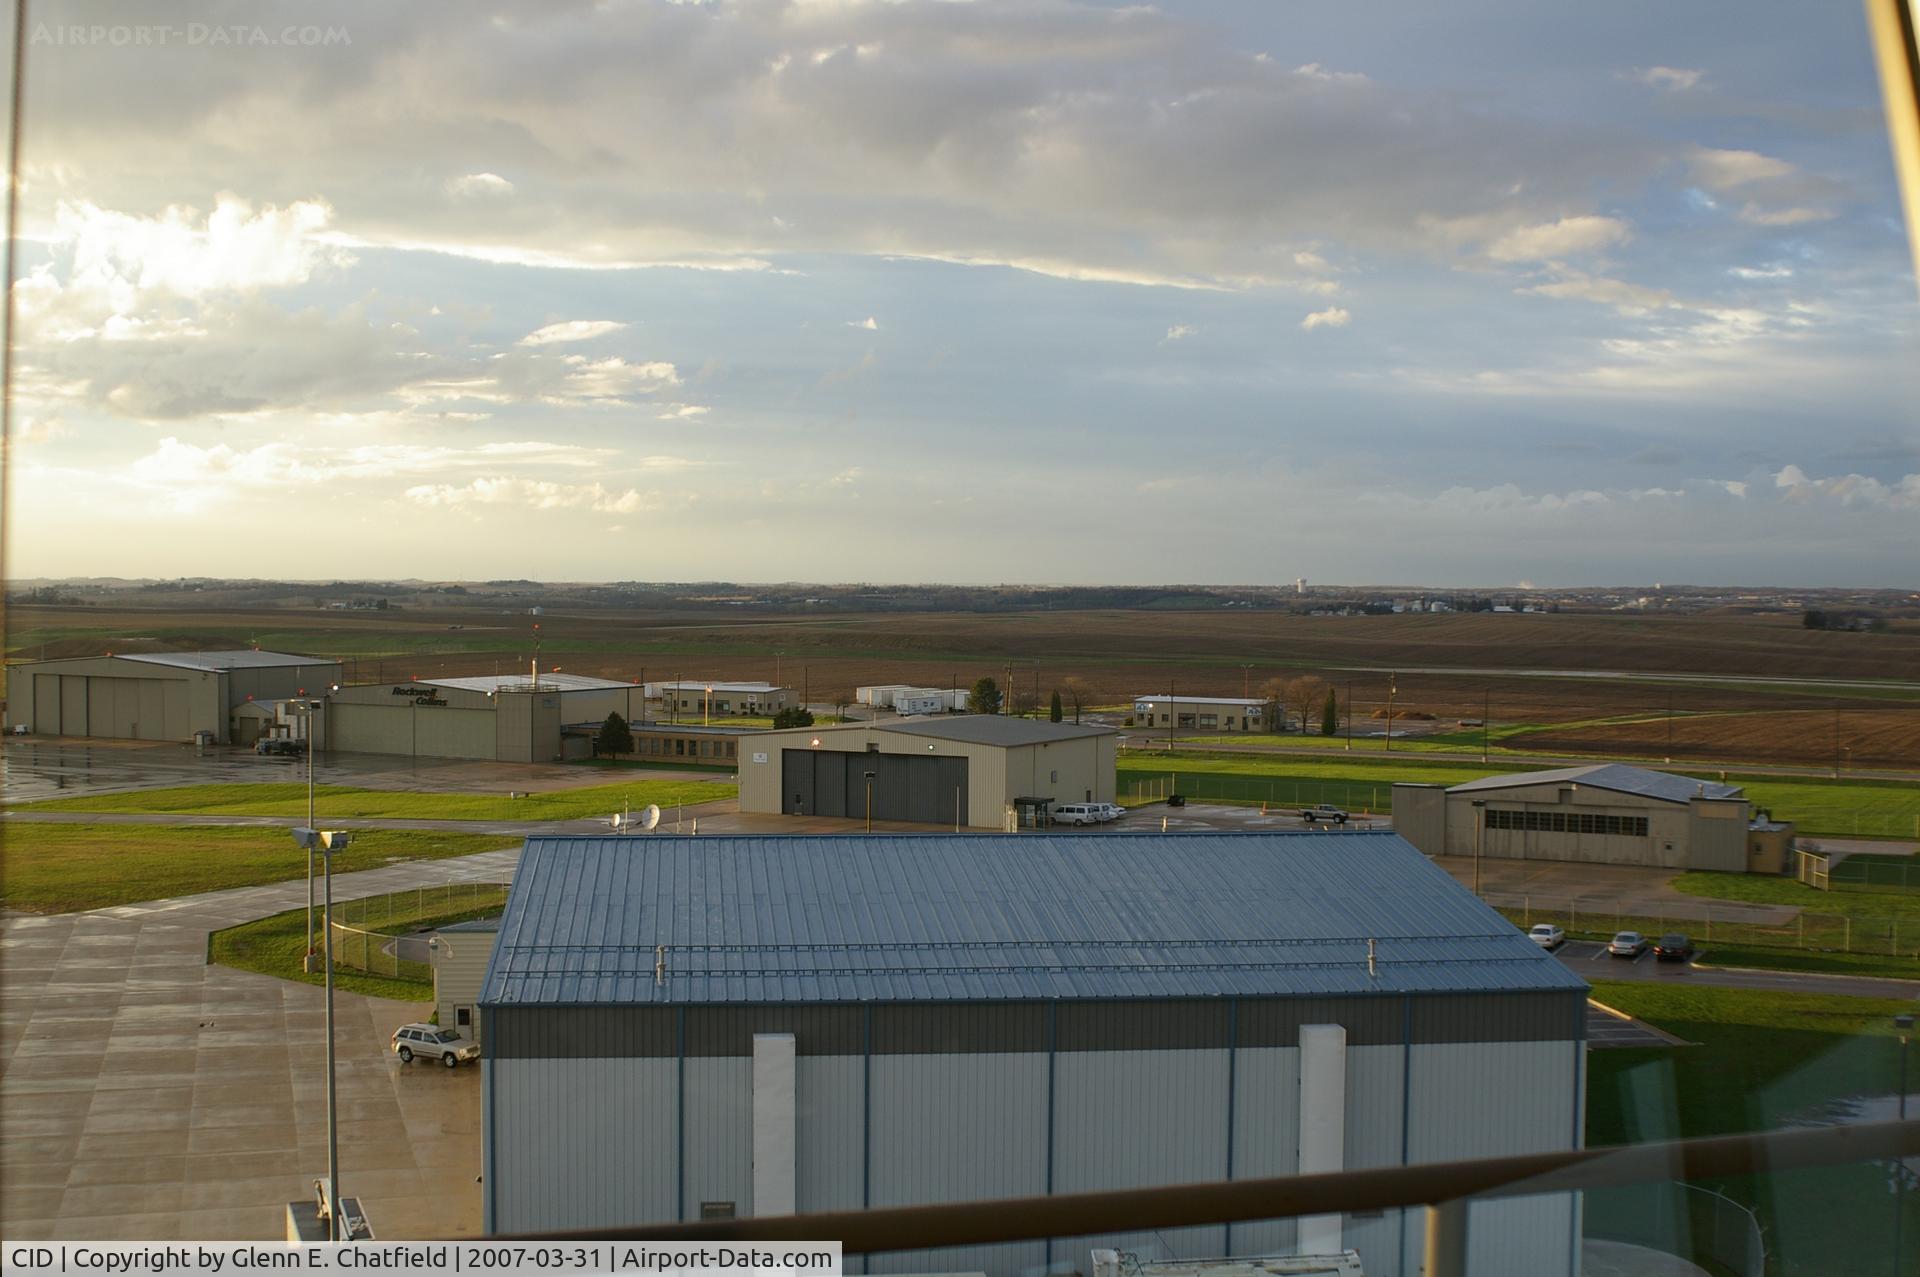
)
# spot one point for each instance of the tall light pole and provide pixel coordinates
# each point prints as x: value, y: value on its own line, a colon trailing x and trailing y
x: 1486, y: 725
x: 1246, y: 681
x: 310, y: 707
x: 1349, y: 715
x: 327, y: 842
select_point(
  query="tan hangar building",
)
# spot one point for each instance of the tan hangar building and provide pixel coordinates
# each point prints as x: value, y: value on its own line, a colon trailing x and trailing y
x: 1607, y: 813
x: 161, y: 695
x: 505, y: 718
x: 977, y: 767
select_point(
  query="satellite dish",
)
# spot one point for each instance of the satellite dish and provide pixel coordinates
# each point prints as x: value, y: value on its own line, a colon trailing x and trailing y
x: 651, y: 816
x: 618, y: 820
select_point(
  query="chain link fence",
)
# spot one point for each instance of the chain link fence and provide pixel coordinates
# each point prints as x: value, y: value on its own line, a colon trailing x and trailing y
x: 1357, y: 796
x: 379, y: 934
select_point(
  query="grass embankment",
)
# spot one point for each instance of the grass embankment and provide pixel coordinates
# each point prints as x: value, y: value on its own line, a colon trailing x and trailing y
x: 62, y: 868
x: 277, y: 946
x: 1764, y: 1061
x: 1846, y: 807
x: 335, y: 802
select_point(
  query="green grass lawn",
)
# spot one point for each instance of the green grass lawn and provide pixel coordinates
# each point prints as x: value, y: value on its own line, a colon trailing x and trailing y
x: 1845, y: 807
x: 62, y: 868
x: 341, y: 801
x: 1764, y: 1060
x: 1759, y: 889
x: 277, y: 946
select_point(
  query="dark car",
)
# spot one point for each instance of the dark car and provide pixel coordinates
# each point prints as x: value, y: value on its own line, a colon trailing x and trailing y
x: 1673, y: 947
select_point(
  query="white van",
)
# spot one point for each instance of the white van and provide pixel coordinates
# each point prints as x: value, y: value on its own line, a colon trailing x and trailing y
x: 1079, y: 814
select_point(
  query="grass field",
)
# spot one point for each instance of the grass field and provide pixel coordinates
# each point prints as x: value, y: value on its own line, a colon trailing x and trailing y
x: 342, y: 801
x: 62, y: 868
x: 277, y: 946
x: 1847, y: 807
x: 1763, y: 1061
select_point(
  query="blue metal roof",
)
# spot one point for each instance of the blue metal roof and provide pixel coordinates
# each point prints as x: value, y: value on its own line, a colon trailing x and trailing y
x: 972, y: 917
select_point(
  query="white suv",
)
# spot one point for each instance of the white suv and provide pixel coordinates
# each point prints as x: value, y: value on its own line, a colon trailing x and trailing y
x: 1079, y: 814
x: 432, y: 1042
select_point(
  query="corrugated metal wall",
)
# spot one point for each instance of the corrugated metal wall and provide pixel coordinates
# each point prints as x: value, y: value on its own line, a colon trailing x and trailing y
x: 897, y: 1128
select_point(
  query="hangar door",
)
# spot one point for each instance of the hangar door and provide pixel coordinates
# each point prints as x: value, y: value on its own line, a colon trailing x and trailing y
x: 906, y: 787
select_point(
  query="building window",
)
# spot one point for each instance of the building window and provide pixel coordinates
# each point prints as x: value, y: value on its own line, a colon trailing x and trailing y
x: 463, y: 1016
x: 1186, y: 720
x: 1209, y: 720
x: 716, y: 1210
x: 1567, y: 822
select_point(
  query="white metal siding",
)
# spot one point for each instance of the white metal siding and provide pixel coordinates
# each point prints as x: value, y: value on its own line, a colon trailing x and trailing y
x: 612, y: 1119
x: 1125, y: 1119
x: 1266, y: 1136
x: 1490, y: 1099
x: 953, y: 1128
x: 829, y: 1108
x: 719, y: 1133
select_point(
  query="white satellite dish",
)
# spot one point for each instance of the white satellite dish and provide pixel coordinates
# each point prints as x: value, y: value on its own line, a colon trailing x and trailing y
x: 651, y: 816
x: 619, y: 819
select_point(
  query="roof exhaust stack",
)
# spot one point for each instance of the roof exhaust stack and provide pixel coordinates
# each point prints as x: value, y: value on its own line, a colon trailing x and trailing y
x: 659, y: 965
x: 1373, y: 968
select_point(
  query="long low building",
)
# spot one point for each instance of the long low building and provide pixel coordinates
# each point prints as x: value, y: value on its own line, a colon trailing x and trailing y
x: 687, y: 1029
x: 973, y: 769
x: 1607, y: 813
x: 1199, y: 713
x: 507, y: 718
x: 160, y: 696
x: 693, y: 698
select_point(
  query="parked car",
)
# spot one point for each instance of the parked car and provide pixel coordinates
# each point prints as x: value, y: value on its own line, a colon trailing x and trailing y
x: 1079, y: 813
x: 1546, y: 935
x: 1627, y: 944
x: 1323, y: 811
x: 1112, y: 811
x: 1673, y: 947
x: 430, y: 1041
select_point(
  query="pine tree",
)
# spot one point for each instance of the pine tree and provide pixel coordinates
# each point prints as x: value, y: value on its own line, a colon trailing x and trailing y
x: 1054, y: 711
x: 614, y: 738
x: 1330, y: 716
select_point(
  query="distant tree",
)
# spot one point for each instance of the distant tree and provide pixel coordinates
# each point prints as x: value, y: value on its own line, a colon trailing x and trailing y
x: 1054, y: 712
x: 1330, y: 716
x: 614, y: 738
x: 1303, y: 694
x: 793, y: 716
x: 1076, y: 689
x: 1813, y: 619
x: 985, y: 697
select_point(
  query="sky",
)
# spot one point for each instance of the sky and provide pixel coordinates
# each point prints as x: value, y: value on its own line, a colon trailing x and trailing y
x: 1215, y: 292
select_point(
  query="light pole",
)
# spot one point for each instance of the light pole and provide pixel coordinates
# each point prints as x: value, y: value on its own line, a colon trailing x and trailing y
x: 1393, y: 686
x: 1349, y: 715
x: 869, y: 802
x: 1479, y: 828
x: 310, y: 707
x: 1246, y: 681
x: 328, y: 841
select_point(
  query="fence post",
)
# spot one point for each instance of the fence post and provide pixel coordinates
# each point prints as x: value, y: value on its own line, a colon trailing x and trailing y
x: 1847, y: 944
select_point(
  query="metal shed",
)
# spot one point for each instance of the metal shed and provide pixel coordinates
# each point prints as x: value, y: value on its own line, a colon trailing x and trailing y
x: 677, y: 1028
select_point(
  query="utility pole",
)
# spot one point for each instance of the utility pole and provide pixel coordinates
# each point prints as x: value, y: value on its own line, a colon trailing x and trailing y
x: 1173, y: 717
x: 1669, y: 724
x: 1246, y: 681
x: 1349, y: 715
x: 1486, y: 724
x: 1836, y: 740
x: 1393, y: 686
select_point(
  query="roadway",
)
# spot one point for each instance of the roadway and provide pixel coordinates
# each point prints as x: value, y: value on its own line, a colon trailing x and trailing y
x: 1590, y: 961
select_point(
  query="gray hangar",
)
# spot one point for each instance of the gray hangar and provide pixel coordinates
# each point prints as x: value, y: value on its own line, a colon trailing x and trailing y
x: 695, y: 1028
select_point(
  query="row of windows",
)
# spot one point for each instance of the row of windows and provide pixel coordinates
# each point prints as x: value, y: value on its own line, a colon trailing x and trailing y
x: 1204, y: 720
x: 682, y: 747
x: 1567, y: 822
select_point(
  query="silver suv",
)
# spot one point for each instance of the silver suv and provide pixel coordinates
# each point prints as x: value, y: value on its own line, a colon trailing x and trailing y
x: 430, y: 1041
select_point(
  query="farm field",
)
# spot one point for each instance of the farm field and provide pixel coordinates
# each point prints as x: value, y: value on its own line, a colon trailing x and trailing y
x: 1115, y: 655
x: 63, y: 868
x: 1762, y: 1061
x: 1848, y: 807
x: 341, y: 801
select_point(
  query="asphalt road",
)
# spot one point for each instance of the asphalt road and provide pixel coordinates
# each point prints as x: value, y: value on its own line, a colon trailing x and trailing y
x: 1589, y: 960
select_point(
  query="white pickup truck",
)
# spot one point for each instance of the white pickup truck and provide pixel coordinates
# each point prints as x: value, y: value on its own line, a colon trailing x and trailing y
x: 1323, y: 811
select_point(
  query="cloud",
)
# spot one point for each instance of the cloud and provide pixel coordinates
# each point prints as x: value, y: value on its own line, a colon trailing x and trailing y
x: 1724, y: 170
x: 1549, y: 241
x: 1758, y: 216
x: 682, y: 411
x: 869, y: 323
x: 1672, y: 79
x: 1332, y: 317
x: 571, y: 330
x: 1852, y: 490
x: 479, y: 184
x: 535, y: 494
x: 1179, y: 332
x: 1629, y: 299
x: 1773, y: 270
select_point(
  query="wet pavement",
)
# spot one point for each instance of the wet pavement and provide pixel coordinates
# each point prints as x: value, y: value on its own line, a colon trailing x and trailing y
x: 1590, y: 961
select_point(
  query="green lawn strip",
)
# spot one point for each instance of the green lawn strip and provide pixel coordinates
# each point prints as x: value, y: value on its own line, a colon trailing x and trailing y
x: 1764, y: 1060
x: 62, y: 868
x: 1819, y: 806
x: 1877, y: 965
x: 1762, y: 889
x: 340, y: 801
x: 277, y: 945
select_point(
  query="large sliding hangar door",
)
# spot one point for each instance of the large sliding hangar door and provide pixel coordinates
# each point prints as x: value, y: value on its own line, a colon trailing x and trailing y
x: 928, y: 791
x: 122, y: 708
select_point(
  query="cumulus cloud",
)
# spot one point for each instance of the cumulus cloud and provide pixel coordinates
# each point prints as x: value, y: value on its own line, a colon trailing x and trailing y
x: 1567, y: 237
x: 1795, y: 485
x: 535, y: 494
x: 571, y: 330
x: 473, y: 184
x: 1179, y: 332
x: 869, y: 323
x: 1332, y: 317
x: 1673, y: 79
x: 1723, y: 170
x: 1631, y: 299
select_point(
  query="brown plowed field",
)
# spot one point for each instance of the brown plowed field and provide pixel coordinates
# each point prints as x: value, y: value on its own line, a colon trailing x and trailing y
x: 1117, y: 655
